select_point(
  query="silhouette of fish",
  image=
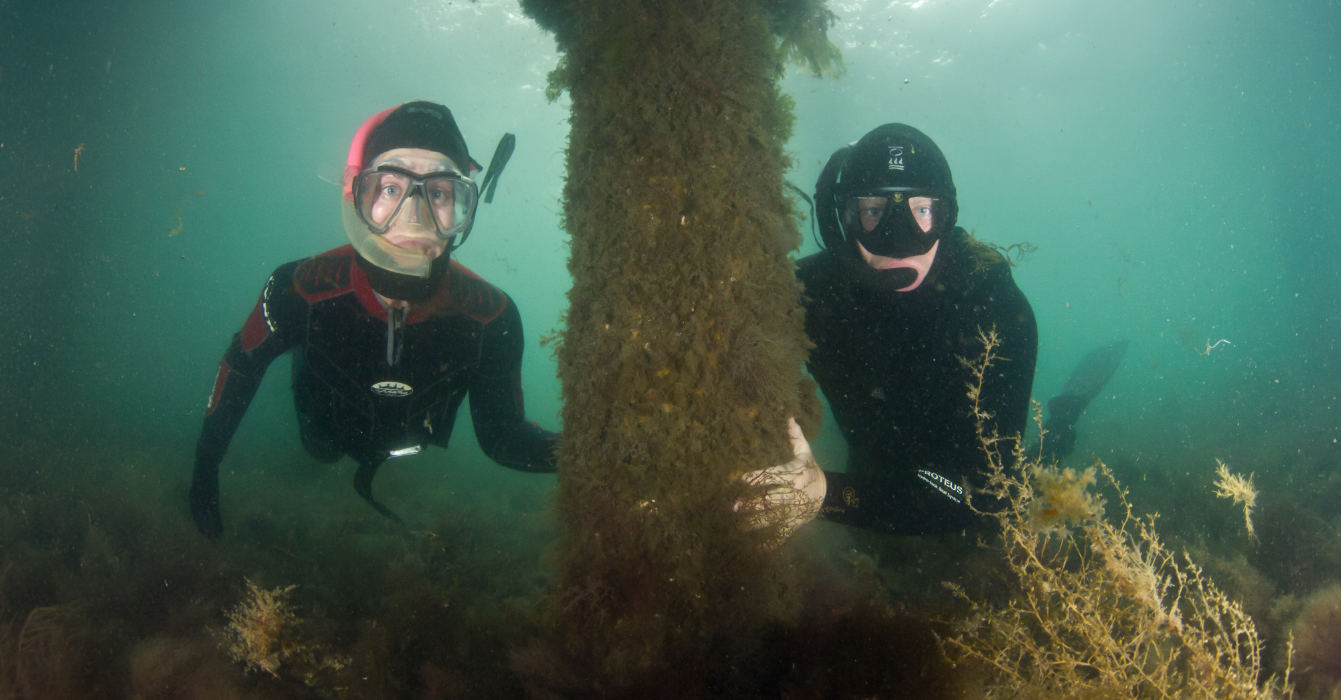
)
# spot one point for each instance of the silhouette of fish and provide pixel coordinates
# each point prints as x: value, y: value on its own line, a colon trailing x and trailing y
x: 500, y: 160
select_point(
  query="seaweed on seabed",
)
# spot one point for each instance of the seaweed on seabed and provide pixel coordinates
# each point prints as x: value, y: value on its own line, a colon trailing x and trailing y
x: 54, y: 655
x: 265, y: 634
x: 1105, y: 610
x: 1317, y: 629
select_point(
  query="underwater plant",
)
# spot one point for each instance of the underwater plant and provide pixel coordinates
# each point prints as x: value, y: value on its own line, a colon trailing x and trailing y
x: 1238, y: 489
x: 265, y: 634
x: 258, y: 632
x: 801, y: 27
x: 1317, y: 634
x: 1064, y: 499
x: 51, y: 648
x: 1104, y: 610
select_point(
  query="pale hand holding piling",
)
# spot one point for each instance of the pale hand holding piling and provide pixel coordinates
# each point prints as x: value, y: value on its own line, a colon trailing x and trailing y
x: 791, y: 493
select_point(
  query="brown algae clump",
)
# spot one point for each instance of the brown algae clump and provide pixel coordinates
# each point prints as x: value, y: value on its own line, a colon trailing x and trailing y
x: 1062, y: 498
x: 266, y: 635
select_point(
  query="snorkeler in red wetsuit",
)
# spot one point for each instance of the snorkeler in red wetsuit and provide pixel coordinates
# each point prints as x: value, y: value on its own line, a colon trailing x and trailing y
x: 388, y: 334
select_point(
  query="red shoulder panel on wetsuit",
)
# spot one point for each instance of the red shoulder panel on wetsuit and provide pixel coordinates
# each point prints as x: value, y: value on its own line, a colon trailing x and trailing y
x: 473, y: 296
x: 256, y: 329
x: 321, y: 277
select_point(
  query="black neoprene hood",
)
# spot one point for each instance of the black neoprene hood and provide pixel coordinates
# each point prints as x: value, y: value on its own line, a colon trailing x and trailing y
x: 896, y: 155
x: 419, y: 125
x: 889, y: 156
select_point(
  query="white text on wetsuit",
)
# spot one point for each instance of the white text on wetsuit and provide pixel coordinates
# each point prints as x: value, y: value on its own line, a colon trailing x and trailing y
x: 950, y: 489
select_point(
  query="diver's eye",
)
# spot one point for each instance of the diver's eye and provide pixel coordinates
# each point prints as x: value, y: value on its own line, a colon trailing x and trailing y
x: 391, y: 186
x: 442, y: 195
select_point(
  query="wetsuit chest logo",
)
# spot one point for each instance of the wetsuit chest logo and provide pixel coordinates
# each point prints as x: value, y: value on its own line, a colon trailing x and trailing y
x: 392, y: 389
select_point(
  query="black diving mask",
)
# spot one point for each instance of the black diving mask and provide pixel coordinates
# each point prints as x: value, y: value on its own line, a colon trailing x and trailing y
x: 892, y: 221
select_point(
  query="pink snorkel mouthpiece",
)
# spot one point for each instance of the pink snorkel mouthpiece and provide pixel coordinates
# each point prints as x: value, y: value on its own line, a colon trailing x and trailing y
x: 921, y: 264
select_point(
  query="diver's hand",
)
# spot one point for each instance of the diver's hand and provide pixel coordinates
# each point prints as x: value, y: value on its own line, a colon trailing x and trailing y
x: 789, y: 495
x: 205, y: 507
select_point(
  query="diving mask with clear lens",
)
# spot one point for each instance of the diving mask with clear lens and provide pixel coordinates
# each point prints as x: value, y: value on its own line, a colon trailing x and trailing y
x: 386, y: 192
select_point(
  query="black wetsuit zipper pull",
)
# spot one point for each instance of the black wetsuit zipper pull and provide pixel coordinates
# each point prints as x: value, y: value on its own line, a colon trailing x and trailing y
x: 395, y: 318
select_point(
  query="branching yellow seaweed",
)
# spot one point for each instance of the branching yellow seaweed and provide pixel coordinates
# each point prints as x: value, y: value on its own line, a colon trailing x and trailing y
x: 1101, y: 610
x: 1239, y: 489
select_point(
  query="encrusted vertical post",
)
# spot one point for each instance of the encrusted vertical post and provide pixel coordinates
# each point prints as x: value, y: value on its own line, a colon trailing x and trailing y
x: 682, y: 355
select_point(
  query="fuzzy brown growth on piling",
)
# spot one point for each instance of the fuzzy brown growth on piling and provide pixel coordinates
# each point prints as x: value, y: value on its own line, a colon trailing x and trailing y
x: 681, y: 358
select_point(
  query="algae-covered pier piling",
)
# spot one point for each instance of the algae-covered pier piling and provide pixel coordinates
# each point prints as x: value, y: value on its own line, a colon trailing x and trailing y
x: 682, y: 355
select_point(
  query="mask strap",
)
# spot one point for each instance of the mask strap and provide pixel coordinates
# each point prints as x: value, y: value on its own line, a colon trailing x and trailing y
x: 800, y: 193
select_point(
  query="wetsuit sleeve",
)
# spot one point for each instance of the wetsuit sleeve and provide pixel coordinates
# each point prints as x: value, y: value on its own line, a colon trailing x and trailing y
x: 270, y: 329
x: 496, y: 405
x: 904, y: 503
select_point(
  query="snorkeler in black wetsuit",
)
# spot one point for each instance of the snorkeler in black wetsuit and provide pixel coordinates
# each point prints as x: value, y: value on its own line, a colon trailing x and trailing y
x: 893, y: 303
x: 389, y: 333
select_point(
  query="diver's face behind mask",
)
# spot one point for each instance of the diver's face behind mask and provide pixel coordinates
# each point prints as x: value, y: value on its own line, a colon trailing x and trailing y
x: 894, y: 228
x: 408, y: 207
x: 884, y: 203
x: 893, y: 223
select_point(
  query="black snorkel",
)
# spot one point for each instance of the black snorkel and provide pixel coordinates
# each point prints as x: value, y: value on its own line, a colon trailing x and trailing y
x: 502, y: 154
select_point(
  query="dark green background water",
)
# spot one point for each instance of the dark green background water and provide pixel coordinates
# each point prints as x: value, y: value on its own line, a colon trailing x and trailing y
x: 1174, y: 163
